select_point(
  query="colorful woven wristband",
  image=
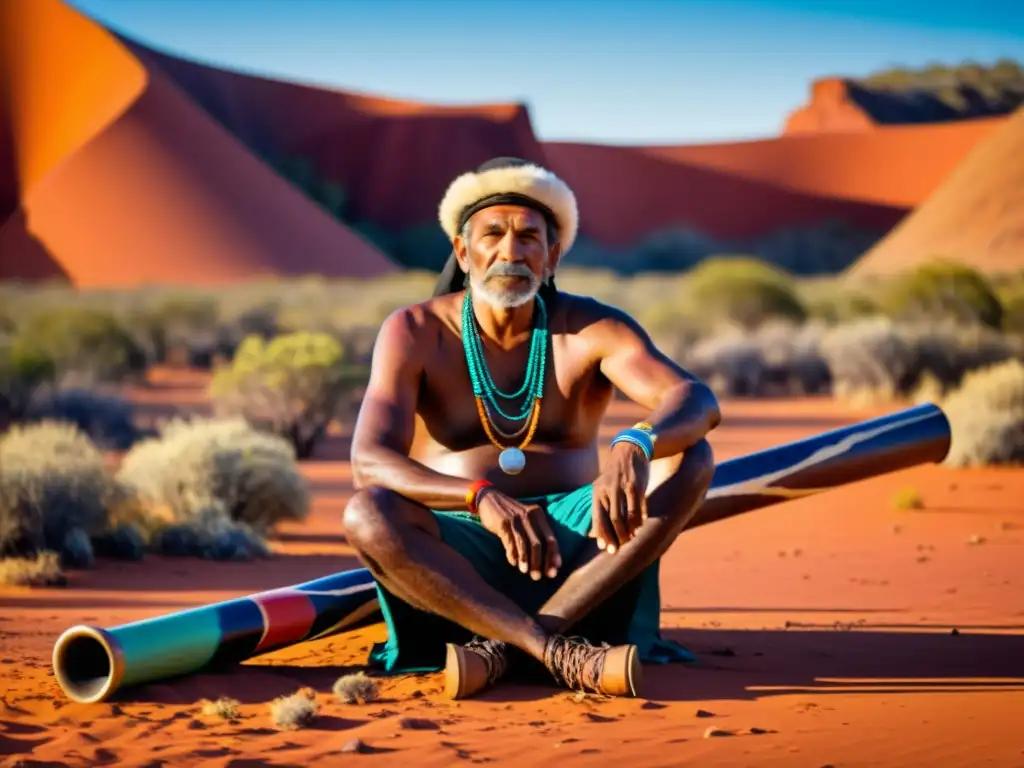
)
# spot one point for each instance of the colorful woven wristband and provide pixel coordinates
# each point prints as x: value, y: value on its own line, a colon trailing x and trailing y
x: 473, y: 492
x: 638, y: 437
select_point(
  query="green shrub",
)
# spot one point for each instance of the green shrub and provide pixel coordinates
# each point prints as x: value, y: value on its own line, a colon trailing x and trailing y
x: 293, y: 385
x: 211, y: 487
x: 842, y: 307
x: 944, y: 290
x: 54, y: 492
x: 171, y: 326
x: 742, y: 291
x: 1012, y: 299
x: 986, y: 416
x: 88, y: 345
x: 23, y: 369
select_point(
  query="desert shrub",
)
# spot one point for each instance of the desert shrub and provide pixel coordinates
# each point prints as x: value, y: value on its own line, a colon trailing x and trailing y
x: 107, y: 419
x: 41, y: 570
x: 986, y: 416
x: 794, y: 364
x: 296, y: 711
x: 293, y: 385
x: 880, y: 359
x: 943, y: 290
x: 825, y: 247
x: 54, y: 492
x: 672, y: 249
x: 356, y: 689
x: 840, y: 304
x: 88, y: 345
x: 224, y: 708
x: 1012, y: 299
x: 23, y: 369
x: 172, y: 325
x: 212, y: 488
x: 732, y: 365
x: 776, y: 359
x: 743, y: 291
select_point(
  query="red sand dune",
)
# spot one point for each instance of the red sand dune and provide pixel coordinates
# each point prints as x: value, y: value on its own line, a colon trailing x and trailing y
x: 890, y: 165
x: 976, y: 216
x: 376, y: 146
x: 625, y: 193
x: 825, y: 622
x: 394, y: 157
x: 150, y: 171
x: 143, y: 186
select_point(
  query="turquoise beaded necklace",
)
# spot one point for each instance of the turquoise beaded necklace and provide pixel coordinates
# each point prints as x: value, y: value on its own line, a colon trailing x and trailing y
x: 486, y: 392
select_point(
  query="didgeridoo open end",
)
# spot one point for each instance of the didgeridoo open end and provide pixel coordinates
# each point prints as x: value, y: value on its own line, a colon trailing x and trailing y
x: 88, y: 663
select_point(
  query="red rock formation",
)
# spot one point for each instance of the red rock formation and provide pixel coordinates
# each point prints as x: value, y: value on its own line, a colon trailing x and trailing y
x: 830, y: 109
x: 124, y: 180
x: 144, y: 167
x: 395, y: 158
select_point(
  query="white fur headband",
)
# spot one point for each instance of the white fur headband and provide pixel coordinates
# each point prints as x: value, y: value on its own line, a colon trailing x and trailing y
x: 529, y: 180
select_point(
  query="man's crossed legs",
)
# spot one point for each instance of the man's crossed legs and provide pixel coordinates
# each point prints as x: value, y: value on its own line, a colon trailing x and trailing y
x: 400, y: 542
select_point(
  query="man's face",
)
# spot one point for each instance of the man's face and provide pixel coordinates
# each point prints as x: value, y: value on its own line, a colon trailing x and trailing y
x: 507, y: 254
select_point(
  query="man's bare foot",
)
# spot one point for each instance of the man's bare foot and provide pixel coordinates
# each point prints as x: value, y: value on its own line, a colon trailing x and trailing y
x: 577, y: 664
x: 472, y: 667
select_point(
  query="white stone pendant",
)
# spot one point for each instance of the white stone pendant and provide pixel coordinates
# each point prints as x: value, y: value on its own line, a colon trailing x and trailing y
x: 512, y: 461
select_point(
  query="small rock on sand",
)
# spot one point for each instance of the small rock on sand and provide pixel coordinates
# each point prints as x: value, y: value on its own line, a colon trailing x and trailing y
x: 356, y: 746
x: 713, y: 732
x: 755, y: 731
x: 418, y: 724
x: 704, y: 713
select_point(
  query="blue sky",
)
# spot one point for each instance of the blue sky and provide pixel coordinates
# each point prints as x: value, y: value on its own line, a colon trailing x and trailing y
x: 633, y: 71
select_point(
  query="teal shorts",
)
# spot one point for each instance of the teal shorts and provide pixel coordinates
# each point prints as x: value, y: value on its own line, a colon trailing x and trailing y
x: 416, y: 639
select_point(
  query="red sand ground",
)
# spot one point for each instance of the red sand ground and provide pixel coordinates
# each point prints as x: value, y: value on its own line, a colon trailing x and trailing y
x: 824, y: 621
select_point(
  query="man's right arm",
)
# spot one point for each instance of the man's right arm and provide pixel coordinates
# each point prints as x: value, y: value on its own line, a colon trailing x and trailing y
x: 384, y: 429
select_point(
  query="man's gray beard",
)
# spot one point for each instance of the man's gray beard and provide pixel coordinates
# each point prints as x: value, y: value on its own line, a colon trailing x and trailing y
x: 505, y: 299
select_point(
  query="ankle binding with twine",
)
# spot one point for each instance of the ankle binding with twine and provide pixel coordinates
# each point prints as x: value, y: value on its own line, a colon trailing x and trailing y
x: 639, y: 435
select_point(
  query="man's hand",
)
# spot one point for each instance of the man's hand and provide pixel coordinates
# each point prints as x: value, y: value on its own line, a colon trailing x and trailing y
x: 620, y: 497
x: 523, y: 529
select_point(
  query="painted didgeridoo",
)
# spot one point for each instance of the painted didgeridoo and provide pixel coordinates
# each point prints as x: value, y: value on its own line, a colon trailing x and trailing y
x: 91, y: 663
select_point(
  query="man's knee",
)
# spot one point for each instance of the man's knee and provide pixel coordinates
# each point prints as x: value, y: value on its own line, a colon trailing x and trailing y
x: 366, y: 516
x: 699, y: 464
x: 678, y: 497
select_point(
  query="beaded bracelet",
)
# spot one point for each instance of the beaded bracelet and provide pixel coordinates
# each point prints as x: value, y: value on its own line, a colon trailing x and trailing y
x: 638, y: 437
x: 473, y: 492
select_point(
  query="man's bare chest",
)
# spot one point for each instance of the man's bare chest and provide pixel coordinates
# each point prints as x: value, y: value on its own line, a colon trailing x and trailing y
x: 572, y: 401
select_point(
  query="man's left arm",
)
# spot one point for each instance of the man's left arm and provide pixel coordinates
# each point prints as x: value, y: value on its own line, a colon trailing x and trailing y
x: 682, y: 409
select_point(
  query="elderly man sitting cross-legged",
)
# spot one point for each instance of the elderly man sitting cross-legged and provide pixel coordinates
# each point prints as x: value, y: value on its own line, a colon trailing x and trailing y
x: 482, y: 508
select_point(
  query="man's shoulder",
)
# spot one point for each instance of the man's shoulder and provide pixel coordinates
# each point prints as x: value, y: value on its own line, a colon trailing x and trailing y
x: 421, y: 317
x: 588, y: 315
